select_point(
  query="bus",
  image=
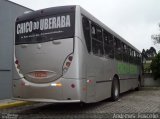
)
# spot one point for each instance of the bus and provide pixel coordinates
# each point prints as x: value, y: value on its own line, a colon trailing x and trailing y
x: 64, y: 54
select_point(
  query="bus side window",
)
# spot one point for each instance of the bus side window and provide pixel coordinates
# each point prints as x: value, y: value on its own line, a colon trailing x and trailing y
x: 128, y: 53
x: 125, y: 53
x: 108, y: 44
x: 97, y: 40
x: 86, y: 31
x: 131, y: 57
x: 135, y: 57
x: 118, y: 49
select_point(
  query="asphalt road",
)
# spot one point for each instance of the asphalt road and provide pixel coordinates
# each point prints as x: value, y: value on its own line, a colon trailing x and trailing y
x: 133, y: 104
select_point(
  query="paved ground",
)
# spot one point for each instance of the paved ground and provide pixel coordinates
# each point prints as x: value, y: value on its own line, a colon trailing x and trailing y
x: 142, y: 104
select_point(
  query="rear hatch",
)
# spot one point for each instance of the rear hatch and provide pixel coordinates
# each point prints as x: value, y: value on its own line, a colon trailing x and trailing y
x: 44, y: 39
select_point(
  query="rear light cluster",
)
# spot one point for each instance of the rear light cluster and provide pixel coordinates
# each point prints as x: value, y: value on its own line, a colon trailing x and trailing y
x: 67, y: 63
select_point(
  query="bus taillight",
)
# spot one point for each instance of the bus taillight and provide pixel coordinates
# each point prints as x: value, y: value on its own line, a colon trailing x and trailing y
x: 67, y: 63
x: 17, y: 64
x: 70, y: 58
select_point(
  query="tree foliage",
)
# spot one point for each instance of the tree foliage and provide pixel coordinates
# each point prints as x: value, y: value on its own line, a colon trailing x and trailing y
x: 155, y: 66
x: 149, y: 53
x: 156, y: 38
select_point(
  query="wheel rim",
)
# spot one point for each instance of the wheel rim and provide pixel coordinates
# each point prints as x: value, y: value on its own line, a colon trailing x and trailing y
x: 116, y: 92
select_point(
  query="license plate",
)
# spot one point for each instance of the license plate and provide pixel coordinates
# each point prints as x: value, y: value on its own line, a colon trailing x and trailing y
x: 40, y: 74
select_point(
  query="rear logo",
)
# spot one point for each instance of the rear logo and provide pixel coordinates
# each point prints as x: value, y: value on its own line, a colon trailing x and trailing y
x: 44, y: 24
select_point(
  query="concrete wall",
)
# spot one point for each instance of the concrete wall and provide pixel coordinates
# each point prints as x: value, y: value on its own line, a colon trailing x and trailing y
x: 8, y: 13
x: 149, y: 81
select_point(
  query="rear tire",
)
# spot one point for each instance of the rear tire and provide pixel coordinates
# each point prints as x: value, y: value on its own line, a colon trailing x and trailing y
x: 115, y: 91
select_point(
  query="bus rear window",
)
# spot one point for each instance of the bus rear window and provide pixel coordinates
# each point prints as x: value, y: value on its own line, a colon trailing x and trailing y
x: 44, y: 29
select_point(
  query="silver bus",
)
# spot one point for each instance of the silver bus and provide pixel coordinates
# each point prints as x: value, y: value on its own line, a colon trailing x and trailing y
x: 64, y: 54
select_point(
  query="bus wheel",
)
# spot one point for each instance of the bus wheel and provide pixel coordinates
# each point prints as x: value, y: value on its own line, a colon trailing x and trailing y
x: 115, y: 91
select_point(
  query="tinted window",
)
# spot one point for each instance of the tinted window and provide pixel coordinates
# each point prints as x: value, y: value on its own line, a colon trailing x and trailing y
x: 108, y: 44
x: 96, y: 32
x: 125, y: 53
x: 118, y: 49
x: 131, y: 55
x: 86, y: 31
x: 97, y: 40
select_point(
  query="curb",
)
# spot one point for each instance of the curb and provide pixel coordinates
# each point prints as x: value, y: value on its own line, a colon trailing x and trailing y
x: 14, y: 104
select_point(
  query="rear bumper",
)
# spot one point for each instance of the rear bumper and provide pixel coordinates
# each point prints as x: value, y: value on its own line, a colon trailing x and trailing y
x: 47, y: 100
x: 61, y: 94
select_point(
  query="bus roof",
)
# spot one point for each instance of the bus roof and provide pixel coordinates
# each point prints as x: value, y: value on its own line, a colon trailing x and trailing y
x: 70, y: 8
x: 91, y: 17
x: 46, y: 11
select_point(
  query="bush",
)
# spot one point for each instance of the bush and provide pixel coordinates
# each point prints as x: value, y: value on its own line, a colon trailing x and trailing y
x: 155, y: 66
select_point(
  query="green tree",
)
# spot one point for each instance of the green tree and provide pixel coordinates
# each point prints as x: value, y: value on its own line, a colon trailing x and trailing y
x: 155, y: 66
x: 156, y: 38
x: 149, y: 53
x: 153, y: 52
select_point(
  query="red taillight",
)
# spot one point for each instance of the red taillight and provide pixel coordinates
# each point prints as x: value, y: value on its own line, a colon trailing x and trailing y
x: 67, y: 63
x: 89, y: 81
x: 70, y: 58
x: 16, y: 62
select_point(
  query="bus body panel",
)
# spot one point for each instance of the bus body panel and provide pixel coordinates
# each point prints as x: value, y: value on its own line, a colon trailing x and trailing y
x: 48, y: 57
